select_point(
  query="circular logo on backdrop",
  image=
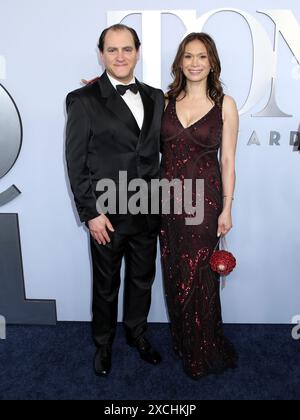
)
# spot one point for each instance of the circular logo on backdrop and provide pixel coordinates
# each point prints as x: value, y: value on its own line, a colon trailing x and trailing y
x: 10, y: 141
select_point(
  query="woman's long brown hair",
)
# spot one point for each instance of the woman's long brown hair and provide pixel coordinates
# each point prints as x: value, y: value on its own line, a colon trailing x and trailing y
x: 214, y: 85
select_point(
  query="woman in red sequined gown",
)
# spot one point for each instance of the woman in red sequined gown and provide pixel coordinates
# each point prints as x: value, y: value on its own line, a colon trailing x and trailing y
x: 198, y: 122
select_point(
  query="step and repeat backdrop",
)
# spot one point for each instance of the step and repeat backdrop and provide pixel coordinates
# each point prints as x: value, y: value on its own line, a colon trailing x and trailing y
x: 46, y: 48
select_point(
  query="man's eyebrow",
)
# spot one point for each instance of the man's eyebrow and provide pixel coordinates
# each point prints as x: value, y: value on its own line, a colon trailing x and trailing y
x: 115, y: 48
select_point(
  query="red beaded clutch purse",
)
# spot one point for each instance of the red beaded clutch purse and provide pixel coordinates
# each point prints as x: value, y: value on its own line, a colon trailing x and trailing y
x: 222, y: 261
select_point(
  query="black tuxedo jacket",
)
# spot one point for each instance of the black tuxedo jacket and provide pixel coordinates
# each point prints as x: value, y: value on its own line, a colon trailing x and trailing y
x: 103, y: 138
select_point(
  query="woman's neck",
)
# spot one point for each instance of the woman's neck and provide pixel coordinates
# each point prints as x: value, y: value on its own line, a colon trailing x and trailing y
x: 196, y: 90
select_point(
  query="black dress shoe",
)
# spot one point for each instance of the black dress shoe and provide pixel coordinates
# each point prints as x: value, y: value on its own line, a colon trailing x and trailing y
x: 146, y: 351
x: 102, y: 361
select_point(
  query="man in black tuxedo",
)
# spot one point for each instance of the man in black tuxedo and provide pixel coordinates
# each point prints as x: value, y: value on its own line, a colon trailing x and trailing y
x: 114, y: 125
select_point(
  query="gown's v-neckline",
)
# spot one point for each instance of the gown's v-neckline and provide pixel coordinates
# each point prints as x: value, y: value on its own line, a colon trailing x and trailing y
x: 194, y: 123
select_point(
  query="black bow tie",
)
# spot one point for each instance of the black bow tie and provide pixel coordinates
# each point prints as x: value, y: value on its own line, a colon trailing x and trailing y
x: 122, y: 89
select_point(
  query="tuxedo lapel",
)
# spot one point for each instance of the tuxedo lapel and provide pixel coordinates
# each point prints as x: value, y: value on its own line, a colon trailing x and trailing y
x: 117, y: 105
x: 148, y: 111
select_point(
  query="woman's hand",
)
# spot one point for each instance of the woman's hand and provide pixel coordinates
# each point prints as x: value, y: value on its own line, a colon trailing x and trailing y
x: 88, y: 82
x: 224, y: 223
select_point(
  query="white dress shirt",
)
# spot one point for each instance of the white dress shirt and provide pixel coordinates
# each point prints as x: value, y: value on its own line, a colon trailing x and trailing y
x: 134, y: 102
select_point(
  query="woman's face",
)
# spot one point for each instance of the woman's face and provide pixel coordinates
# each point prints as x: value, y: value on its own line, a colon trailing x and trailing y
x: 195, y: 63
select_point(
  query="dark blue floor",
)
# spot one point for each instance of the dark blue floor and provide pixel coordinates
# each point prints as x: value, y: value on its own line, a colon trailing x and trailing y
x: 56, y: 363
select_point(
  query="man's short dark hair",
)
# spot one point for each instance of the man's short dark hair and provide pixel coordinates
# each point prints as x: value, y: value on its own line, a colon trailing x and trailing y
x: 119, y: 27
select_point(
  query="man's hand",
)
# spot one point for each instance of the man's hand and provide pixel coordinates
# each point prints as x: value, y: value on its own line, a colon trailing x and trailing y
x: 98, y: 230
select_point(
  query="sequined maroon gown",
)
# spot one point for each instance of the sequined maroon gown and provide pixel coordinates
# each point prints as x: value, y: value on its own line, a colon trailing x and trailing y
x: 192, y: 288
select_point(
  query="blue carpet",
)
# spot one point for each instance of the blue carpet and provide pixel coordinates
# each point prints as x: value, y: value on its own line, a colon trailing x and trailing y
x: 55, y: 363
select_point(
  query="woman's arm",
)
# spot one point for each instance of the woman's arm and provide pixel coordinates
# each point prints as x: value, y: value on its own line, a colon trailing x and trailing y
x: 228, y: 152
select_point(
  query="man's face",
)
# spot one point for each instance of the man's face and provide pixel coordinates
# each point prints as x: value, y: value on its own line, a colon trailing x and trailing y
x: 120, y: 55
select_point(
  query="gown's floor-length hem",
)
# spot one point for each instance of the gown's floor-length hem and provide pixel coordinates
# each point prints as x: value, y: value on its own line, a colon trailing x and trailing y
x: 200, y: 343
